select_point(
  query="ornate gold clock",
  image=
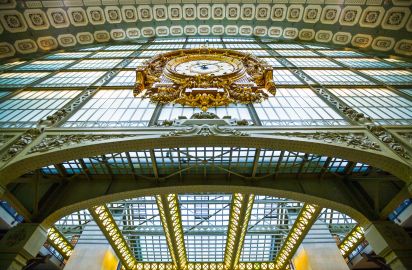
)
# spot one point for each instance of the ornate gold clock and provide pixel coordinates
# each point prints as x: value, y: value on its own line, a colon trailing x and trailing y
x: 205, y: 78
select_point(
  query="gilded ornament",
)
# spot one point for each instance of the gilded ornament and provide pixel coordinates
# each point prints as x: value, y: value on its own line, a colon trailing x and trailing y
x: 205, y: 78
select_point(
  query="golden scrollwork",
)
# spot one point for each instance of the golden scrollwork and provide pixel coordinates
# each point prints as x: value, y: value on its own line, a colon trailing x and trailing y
x: 247, y: 79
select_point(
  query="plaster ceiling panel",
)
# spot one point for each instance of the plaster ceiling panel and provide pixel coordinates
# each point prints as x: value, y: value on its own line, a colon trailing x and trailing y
x: 40, y: 26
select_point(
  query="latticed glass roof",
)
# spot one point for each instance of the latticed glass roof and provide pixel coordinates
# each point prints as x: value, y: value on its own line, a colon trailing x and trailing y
x: 195, y: 160
x: 355, y: 78
x: 204, y: 218
x: 316, y: 84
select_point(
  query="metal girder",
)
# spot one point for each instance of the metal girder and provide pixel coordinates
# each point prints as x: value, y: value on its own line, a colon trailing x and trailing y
x: 170, y: 215
x: 255, y: 163
x: 154, y: 163
x: 351, y: 241
x: 104, y: 219
x: 57, y: 240
x: 238, y: 222
x: 102, y: 186
x: 304, y: 221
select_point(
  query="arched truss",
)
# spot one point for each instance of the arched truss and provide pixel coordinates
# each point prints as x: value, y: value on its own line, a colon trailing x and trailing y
x: 148, y: 217
x: 47, y: 197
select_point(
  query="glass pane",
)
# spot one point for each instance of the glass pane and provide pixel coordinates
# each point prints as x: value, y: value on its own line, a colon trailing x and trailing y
x: 383, y: 105
x: 296, y: 106
x: 28, y: 107
x: 113, y: 108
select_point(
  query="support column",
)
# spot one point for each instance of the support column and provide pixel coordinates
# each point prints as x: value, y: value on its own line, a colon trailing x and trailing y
x: 21, y: 244
x: 391, y: 242
x: 92, y: 251
x: 318, y: 254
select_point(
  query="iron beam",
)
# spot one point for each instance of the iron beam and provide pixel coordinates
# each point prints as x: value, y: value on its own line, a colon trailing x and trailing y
x: 351, y: 241
x: 170, y: 215
x: 57, y: 240
x: 104, y: 219
x: 304, y: 221
x: 238, y: 223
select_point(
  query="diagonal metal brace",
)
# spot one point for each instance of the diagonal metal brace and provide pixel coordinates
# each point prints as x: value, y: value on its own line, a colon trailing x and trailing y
x: 57, y: 240
x: 304, y: 221
x: 104, y: 219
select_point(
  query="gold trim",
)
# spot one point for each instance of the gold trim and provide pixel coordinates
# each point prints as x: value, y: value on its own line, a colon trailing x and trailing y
x: 250, y: 82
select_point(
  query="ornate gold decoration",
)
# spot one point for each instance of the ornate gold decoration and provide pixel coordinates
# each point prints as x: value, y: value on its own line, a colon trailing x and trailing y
x: 235, y: 77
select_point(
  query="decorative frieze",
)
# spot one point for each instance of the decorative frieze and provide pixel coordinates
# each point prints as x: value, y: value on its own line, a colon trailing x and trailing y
x: 351, y: 113
x: 350, y: 139
x: 205, y: 130
x: 57, y: 142
x: 387, y: 138
x: 18, y: 146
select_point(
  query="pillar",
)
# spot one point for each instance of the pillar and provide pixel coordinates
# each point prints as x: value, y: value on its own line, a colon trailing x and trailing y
x: 391, y: 242
x: 20, y: 244
x: 319, y: 251
x: 91, y: 252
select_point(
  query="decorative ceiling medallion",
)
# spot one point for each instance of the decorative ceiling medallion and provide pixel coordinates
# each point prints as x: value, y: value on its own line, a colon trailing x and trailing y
x: 129, y: 13
x: 383, y: 44
x: 205, y: 78
x: 36, y: 19
x: 6, y: 50
x: 58, y: 17
x: 133, y: 33
x: 13, y: 21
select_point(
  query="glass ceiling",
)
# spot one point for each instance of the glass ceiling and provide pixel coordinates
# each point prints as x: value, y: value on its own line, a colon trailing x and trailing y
x: 211, y: 160
x: 31, y: 90
x: 355, y: 79
x: 205, y: 220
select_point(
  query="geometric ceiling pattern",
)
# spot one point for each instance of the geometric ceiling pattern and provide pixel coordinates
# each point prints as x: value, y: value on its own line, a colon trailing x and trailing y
x: 204, y: 218
x: 28, y: 27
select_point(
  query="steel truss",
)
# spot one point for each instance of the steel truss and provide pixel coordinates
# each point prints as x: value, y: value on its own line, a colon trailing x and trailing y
x: 59, y: 242
x: 238, y: 223
x: 104, y: 219
x: 172, y: 224
x: 353, y: 239
x: 304, y: 221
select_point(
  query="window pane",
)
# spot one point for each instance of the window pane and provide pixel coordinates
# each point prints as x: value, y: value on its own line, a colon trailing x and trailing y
x: 28, y: 107
x: 337, y: 77
x: 20, y: 79
x: 113, y: 108
x: 71, y: 79
x: 294, y: 107
x: 383, y: 105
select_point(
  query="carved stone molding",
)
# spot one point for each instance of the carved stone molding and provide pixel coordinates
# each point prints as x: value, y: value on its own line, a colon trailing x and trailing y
x: 18, y: 146
x: 204, y: 115
x: 4, y: 139
x: 52, y: 119
x: 352, y: 114
x: 59, y: 115
x: 350, y: 139
x: 205, y: 130
x: 407, y: 136
x: 56, y: 142
x: 387, y: 138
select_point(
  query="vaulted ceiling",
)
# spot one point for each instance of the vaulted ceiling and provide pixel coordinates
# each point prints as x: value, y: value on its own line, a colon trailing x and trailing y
x: 29, y: 27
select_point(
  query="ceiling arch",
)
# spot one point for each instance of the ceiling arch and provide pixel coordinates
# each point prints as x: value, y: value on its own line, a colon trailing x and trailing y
x: 29, y: 27
x: 348, y: 209
x: 25, y: 163
x: 105, y: 187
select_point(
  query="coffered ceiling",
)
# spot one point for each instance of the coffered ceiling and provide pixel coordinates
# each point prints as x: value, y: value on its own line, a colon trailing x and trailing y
x: 39, y: 26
